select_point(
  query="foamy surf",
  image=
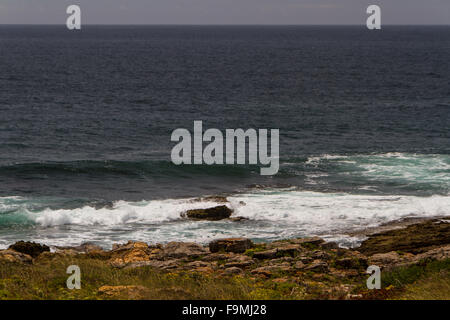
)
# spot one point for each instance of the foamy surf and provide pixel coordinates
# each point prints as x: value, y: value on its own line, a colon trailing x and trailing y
x: 273, y: 214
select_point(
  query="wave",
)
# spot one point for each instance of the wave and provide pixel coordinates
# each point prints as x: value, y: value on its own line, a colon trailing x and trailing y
x: 272, y: 214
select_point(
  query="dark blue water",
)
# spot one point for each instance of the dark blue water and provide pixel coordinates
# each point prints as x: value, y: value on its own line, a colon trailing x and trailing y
x: 90, y: 113
x: 86, y: 119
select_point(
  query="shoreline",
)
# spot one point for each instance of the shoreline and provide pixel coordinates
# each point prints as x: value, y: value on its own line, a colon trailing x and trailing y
x: 237, y: 268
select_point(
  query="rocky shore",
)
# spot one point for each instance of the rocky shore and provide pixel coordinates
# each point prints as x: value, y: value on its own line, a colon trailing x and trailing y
x: 304, y: 268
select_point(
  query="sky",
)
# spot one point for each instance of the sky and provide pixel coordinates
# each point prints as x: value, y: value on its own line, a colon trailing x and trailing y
x: 292, y: 12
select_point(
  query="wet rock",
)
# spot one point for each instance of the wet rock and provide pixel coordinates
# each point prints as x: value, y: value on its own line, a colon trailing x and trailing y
x: 211, y: 214
x: 236, y: 245
x: 15, y: 257
x: 183, y: 250
x: 30, y: 248
x: 124, y: 292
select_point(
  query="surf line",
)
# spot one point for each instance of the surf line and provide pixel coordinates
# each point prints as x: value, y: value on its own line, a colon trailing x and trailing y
x: 191, y: 150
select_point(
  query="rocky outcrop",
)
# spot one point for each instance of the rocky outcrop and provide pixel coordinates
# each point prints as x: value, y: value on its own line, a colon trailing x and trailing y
x: 30, y: 248
x: 131, y: 253
x: 417, y: 238
x: 211, y: 214
x: 236, y: 245
x: 14, y: 257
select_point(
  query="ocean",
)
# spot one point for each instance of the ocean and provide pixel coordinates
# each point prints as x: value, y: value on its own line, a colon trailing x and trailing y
x: 87, y: 116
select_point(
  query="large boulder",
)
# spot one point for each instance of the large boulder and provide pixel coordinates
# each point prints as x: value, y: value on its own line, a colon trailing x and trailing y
x: 211, y: 214
x: 30, y: 248
x: 236, y: 245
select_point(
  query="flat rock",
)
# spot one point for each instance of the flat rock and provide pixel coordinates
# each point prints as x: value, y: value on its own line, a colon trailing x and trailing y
x: 308, y: 241
x: 236, y: 245
x: 183, y: 250
x: 267, y: 254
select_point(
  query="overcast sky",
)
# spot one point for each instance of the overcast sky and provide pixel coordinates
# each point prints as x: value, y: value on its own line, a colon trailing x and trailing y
x: 225, y: 11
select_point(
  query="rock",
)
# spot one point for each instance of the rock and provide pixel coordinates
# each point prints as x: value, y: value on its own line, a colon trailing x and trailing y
x: 268, y: 254
x: 157, y: 264
x: 233, y: 271
x: 320, y: 255
x: 308, y: 241
x: 416, y: 238
x: 236, y: 245
x: 131, y: 253
x: 305, y: 259
x: 183, y: 250
x: 15, y: 257
x: 124, y: 292
x: 289, y: 249
x: 30, y: 248
x: 211, y: 214
x: 239, y: 262
x: 217, y: 256
x: 385, y: 259
x: 441, y: 253
x: 83, y: 248
x: 317, y: 266
x: 354, y: 262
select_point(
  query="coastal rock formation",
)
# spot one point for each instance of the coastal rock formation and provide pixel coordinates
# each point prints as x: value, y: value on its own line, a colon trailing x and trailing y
x: 30, y: 248
x: 132, y: 252
x: 14, y: 257
x: 236, y: 245
x: 211, y: 214
x: 416, y: 238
